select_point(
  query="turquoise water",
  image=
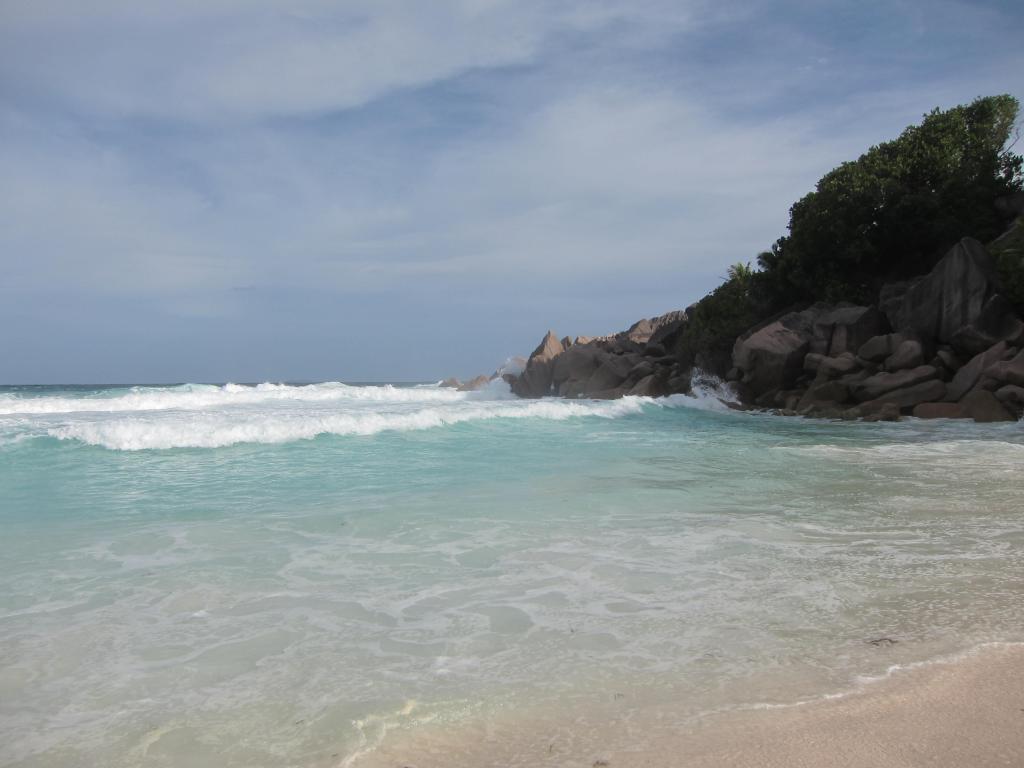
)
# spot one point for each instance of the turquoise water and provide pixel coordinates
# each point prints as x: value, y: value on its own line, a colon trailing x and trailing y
x: 303, y: 575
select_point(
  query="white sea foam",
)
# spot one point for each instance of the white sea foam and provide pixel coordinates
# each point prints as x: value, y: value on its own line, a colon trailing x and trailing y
x: 707, y: 393
x: 203, y: 396
x: 213, y: 429
x: 211, y: 416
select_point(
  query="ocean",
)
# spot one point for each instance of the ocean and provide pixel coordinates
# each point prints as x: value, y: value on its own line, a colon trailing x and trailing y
x: 324, y: 574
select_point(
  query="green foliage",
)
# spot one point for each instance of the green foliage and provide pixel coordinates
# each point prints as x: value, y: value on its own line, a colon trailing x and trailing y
x: 740, y: 272
x: 893, y: 212
x: 715, y: 321
x: 1008, y: 253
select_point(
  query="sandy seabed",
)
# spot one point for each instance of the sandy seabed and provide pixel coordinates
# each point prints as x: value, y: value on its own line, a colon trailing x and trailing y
x: 966, y: 712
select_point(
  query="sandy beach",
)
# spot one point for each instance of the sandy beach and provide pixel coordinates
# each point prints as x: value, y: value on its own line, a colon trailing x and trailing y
x: 952, y: 713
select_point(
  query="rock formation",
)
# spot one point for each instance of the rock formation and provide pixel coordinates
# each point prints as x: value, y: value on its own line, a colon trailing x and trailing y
x: 802, y: 361
x: 947, y: 344
x: 633, y: 362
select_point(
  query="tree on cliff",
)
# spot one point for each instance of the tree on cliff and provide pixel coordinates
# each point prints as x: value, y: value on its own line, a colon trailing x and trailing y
x: 892, y: 213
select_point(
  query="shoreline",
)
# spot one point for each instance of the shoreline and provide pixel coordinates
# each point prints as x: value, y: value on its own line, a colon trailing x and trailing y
x: 956, y: 710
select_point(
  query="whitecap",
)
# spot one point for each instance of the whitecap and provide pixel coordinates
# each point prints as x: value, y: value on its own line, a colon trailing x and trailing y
x: 219, y: 429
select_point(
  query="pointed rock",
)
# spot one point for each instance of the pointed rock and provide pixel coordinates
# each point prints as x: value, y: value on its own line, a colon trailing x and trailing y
x: 948, y: 298
x: 536, y: 379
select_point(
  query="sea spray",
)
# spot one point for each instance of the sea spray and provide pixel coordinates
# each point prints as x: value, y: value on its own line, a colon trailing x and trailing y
x: 208, y: 416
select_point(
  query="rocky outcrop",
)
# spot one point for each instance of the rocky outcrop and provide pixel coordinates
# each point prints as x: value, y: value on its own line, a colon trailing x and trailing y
x: 983, y: 406
x: 845, y: 329
x: 1012, y: 398
x: 634, y: 362
x: 831, y: 367
x: 944, y: 345
x: 477, y: 382
x: 536, y: 379
x: 771, y: 357
x: 968, y: 376
x: 1008, y: 371
x: 823, y: 338
x: 906, y: 398
x: 878, y: 348
x: 997, y: 321
x: 957, y: 303
x: 875, y: 386
x: 822, y: 395
x: 884, y: 412
x: 939, y: 411
x: 909, y: 354
x: 906, y: 354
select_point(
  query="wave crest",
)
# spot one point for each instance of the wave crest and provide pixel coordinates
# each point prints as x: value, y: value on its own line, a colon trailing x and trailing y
x: 215, y: 416
x: 204, y: 396
x: 216, y: 430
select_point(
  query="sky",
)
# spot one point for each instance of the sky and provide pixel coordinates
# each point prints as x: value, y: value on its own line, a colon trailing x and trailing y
x: 245, y: 190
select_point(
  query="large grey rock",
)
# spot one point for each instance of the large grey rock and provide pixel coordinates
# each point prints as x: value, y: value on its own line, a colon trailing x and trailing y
x: 577, y: 363
x: 854, y: 378
x: 835, y: 367
x: 890, y: 298
x: 875, y: 386
x: 983, y: 406
x: 771, y: 356
x: 612, y: 372
x: 967, y: 377
x: 909, y: 354
x: 811, y: 361
x: 845, y: 328
x: 939, y: 411
x: 640, y: 331
x: 883, y: 412
x: 1011, y: 395
x: 997, y: 321
x: 829, y: 392
x: 948, y: 359
x: 655, y: 329
x: 1008, y: 371
x: 908, y: 397
x: 877, y: 348
x: 949, y: 297
x: 536, y: 380
x: 650, y: 386
x: 477, y: 382
x: 667, y: 329
x: 641, y: 370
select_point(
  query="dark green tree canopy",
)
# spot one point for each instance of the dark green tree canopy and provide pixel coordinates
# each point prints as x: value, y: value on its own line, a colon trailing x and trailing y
x: 891, y: 213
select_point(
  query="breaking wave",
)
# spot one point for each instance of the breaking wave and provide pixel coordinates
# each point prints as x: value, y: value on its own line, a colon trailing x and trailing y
x: 217, y: 430
x: 212, y: 416
x: 202, y: 396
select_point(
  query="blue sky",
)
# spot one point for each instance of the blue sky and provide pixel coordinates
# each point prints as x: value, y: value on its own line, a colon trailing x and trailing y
x: 211, y: 190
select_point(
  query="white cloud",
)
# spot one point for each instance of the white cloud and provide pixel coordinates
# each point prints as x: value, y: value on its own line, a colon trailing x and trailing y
x: 601, y: 181
x: 571, y: 170
x: 234, y: 60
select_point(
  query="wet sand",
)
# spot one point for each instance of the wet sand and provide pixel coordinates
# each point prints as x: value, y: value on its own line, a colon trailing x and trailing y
x: 963, y: 713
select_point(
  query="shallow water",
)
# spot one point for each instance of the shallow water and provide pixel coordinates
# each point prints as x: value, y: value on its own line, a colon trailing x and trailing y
x: 284, y: 575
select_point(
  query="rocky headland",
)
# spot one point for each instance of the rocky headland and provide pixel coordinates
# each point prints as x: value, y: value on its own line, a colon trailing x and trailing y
x: 881, y: 301
x: 947, y: 344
